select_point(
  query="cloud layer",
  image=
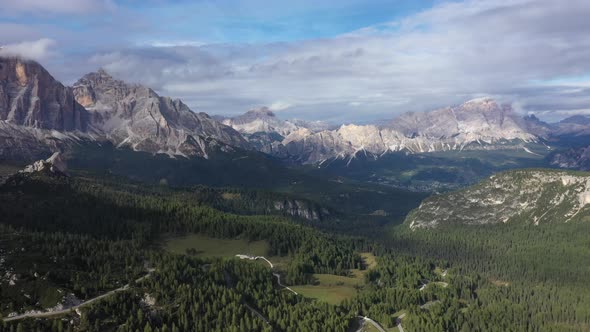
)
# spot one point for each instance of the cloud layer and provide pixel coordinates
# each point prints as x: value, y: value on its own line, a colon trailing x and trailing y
x: 532, y: 53
x: 37, y: 49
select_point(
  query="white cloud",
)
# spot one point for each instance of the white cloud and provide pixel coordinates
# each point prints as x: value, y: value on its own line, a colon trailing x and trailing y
x: 510, y: 49
x: 444, y: 55
x: 279, y: 106
x: 36, y: 50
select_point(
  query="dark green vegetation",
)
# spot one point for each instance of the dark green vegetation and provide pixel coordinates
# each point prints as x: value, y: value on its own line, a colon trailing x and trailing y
x: 529, y: 277
x: 436, y: 170
x: 87, y: 235
x: 259, y: 178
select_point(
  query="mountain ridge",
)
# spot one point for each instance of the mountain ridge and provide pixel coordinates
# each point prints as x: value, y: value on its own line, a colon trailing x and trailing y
x: 136, y: 116
x: 40, y: 116
x: 476, y: 124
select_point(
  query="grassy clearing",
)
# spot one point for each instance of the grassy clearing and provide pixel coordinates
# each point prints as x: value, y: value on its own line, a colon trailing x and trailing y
x: 330, y: 288
x: 204, y: 246
x: 334, y: 289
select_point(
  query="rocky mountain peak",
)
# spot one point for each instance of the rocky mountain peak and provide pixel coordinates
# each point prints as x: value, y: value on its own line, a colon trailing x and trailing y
x: 261, y: 120
x: 137, y: 117
x: 481, y: 103
x: 102, y: 72
x: 261, y: 112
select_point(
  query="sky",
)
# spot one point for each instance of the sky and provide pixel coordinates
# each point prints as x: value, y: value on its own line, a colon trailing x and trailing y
x: 332, y: 60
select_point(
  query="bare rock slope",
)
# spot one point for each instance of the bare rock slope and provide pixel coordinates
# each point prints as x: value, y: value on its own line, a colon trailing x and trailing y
x: 38, y: 115
x: 529, y: 196
x: 135, y: 116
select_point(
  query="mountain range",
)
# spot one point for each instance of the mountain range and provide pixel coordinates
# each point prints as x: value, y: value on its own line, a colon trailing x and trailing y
x: 39, y: 116
x: 479, y: 124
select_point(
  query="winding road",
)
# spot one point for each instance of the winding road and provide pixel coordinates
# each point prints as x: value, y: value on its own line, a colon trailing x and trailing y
x: 278, y: 276
x: 257, y: 313
x: 398, y: 321
x: 70, y: 309
x: 374, y: 323
x: 230, y: 284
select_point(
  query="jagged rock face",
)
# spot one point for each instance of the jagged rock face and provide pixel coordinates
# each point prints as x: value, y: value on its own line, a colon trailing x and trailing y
x: 477, y: 124
x: 529, y: 196
x: 135, y: 116
x: 31, y: 97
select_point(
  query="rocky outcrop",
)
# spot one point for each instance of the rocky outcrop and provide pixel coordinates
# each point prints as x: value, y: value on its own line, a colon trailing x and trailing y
x: 527, y: 196
x: 301, y: 209
x: 54, y: 165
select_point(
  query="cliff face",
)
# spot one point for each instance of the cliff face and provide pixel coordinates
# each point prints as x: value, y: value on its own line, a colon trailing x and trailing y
x: 38, y: 115
x: 301, y: 209
x: 31, y: 97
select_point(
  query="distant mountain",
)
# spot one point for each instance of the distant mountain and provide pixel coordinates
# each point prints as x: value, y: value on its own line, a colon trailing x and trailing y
x: 529, y: 196
x: 262, y: 128
x: 577, y: 125
x: 38, y: 116
x: 477, y: 124
x: 260, y: 120
x: 573, y: 136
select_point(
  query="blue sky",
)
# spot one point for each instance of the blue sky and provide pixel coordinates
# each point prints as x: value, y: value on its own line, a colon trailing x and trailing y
x: 341, y: 61
x: 271, y: 21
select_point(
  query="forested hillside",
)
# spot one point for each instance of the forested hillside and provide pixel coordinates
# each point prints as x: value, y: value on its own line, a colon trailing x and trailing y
x: 110, y: 238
